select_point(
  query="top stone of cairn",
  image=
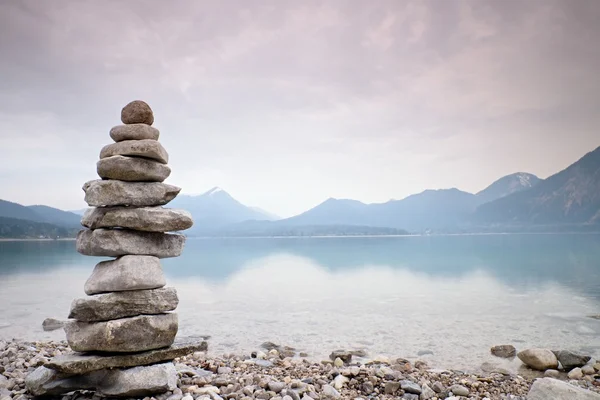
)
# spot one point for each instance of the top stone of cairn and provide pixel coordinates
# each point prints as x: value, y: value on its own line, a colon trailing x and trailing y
x: 137, y: 112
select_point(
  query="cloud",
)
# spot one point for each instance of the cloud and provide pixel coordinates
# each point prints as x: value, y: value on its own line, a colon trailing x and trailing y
x: 287, y: 103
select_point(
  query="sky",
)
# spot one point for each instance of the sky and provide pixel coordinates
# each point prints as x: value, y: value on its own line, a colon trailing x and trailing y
x: 286, y: 103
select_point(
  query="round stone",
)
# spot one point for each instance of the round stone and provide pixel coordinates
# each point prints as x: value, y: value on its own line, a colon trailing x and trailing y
x: 540, y: 359
x: 137, y: 112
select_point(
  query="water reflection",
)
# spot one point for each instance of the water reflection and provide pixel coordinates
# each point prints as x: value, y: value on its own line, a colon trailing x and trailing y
x: 454, y: 297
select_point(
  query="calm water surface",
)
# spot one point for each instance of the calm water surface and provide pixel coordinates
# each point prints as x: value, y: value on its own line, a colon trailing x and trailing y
x: 453, y: 296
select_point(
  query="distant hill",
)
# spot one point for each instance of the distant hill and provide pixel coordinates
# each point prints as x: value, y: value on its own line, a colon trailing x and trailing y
x: 13, y: 228
x: 9, y: 209
x: 56, y: 216
x: 333, y: 212
x: 436, y: 210
x: 40, y: 214
x: 431, y: 209
x: 80, y: 212
x: 216, y: 209
x: 571, y: 196
x: 269, y: 215
x: 507, y: 185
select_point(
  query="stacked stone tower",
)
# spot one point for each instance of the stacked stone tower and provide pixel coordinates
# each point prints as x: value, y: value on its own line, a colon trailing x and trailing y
x: 125, y: 329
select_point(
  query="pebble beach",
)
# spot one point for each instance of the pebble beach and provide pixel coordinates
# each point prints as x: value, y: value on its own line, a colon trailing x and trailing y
x: 276, y: 372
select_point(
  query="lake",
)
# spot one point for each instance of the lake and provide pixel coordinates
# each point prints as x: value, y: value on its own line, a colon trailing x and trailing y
x: 443, y: 299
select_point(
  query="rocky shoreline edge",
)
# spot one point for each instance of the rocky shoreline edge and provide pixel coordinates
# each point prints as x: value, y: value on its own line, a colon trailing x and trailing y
x: 277, y: 373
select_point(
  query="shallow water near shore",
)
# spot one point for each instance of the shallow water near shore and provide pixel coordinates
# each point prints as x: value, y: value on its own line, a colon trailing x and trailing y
x: 442, y: 299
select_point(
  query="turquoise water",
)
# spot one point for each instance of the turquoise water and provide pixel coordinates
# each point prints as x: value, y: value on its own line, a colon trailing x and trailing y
x: 453, y: 296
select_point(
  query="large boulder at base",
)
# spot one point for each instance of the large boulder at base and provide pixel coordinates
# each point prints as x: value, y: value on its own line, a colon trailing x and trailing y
x: 100, y: 193
x: 132, y: 169
x: 126, y: 273
x: 131, y: 382
x: 120, y: 242
x: 540, y: 359
x: 138, y: 148
x: 78, y: 363
x: 570, y: 359
x: 137, y: 112
x: 47, y: 382
x: 148, y: 219
x: 139, y: 381
x: 134, y: 132
x: 141, y: 333
x: 553, y: 389
x: 105, y: 307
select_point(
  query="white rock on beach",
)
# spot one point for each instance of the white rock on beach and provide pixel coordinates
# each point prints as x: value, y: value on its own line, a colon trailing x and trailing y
x: 540, y: 359
x: 575, y: 373
x: 553, y: 389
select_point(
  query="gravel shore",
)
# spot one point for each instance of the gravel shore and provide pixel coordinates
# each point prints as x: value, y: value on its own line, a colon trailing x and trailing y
x: 270, y: 373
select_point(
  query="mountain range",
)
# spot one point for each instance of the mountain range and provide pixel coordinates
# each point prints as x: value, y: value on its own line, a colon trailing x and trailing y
x: 569, y: 199
x: 18, y: 221
x: 216, y: 209
x: 442, y: 210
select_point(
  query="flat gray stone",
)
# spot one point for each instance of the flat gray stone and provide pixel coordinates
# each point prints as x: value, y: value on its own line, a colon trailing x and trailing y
x: 120, y: 242
x: 120, y: 133
x: 132, y: 169
x: 131, y: 382
x: 80, y: 363
x: 140, y: 148
x: 504, y: 351
x: 105, y: 307
x: 148, y: 219
x: 52, y: 324
x: 102, y: 193
x: 139, y: 381
x: 126, y: 273
x: 141, y: 333
x: 410, y: 387
x: 137, y: 112
x: 553, y: 389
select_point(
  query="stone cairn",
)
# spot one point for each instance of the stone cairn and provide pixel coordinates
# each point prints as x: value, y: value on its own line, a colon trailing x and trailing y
x: 124, y: 332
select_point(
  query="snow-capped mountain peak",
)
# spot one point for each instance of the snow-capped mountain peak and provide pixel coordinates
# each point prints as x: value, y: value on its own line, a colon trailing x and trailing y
x: 507, y: 185
x: 214, y: 191
x: 524, y: 179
